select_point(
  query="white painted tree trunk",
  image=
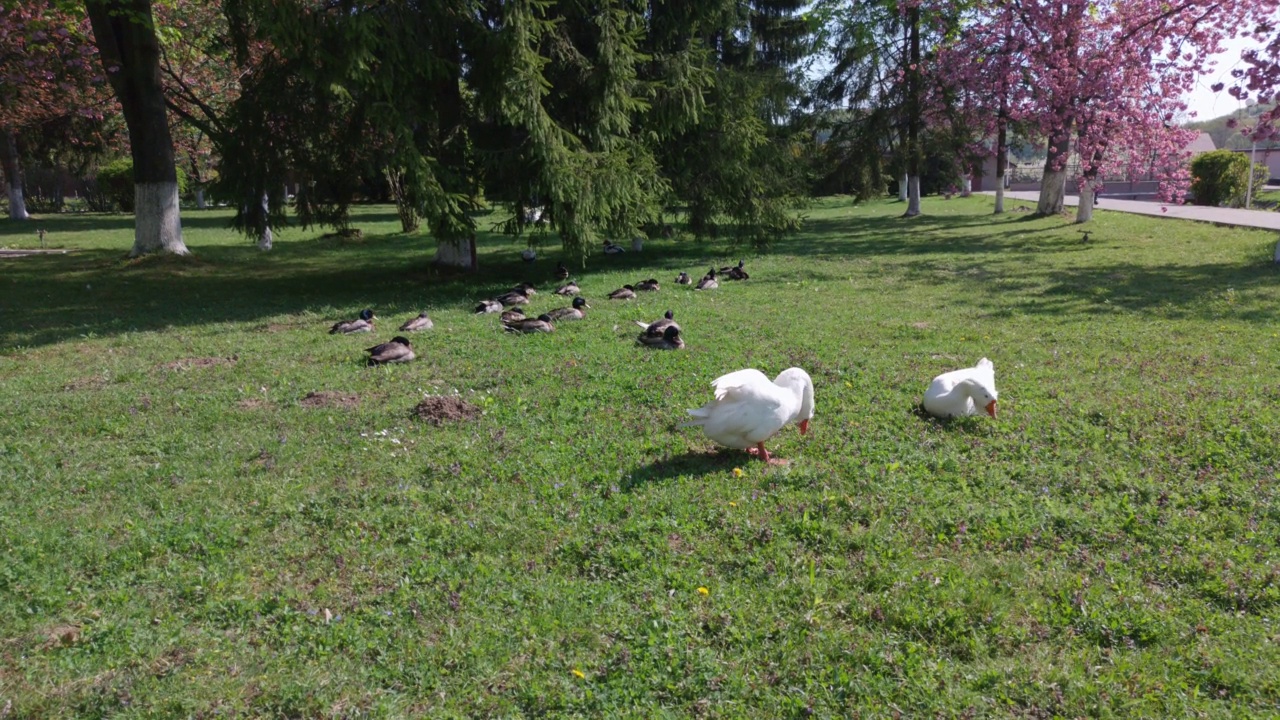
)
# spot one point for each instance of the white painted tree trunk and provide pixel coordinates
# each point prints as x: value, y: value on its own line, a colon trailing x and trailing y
x: 913, y: 196
x: 157, y: 222
x: 966, y: 188
x: 902, y: 188
x: 12, y: 169
x: 1084, y: 209
x: 200, y: 199
x: 457, y: 253
x: 264, y: 239
x: 999, y: 195
x: 17, y: 203
x: 1053, y: 189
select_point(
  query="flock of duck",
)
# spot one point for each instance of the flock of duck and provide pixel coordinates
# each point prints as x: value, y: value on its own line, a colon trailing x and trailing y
x: 747, y: 409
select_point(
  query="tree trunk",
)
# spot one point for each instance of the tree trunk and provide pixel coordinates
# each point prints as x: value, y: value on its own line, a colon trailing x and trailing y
x: 913, y: 196
x: 902, y: 188
x: 200, y: 205
x: 1002, y: 165
x: 1053, y: 186
x: 1084, y: 209
x: 130, y: 54
x: 915, y: 155
x: 966, y: 185
x: 264, y: 237
x: 457, y: 253
x: 13, y: 176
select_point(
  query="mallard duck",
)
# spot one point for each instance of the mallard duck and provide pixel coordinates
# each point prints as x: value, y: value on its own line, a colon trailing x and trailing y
x: 562, y: 272
x: 708, y: 281
x: 422, y: 322
x: 570, y: 288
x: 649, y: 285
x: 395, y: 351
x: 735, y: 272
x: 362, y: 325
x: 488, y: 306
x: 514, y: 297
x: 749, y: 408
x: 576, y: 312
x: 525, y: 288
x: 963, y: 392
x: 656, y: 328
x: 514, y: 313
x: 626, y: 292
x: 610, y: 248
x: 528, y: 255
x: 542, y: 323
x: 668, y: 339
x: 684, y: 279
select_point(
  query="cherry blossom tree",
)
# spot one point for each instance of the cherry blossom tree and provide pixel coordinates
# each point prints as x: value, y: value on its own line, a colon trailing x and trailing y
x: 1259, y: 80
x: 48, y: 71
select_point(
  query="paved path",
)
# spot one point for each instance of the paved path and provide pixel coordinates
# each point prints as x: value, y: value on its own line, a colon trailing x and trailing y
x: 1224, y: 216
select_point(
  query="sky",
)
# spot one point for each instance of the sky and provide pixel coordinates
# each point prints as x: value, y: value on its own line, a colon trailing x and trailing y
x: 1208, y: 104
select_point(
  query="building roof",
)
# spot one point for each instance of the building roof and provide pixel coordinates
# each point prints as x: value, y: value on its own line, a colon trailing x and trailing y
x: 1202, y: 144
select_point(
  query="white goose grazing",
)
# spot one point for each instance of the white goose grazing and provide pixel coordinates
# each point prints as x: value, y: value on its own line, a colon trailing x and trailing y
x: 963, y: 392
x: 750, y: 409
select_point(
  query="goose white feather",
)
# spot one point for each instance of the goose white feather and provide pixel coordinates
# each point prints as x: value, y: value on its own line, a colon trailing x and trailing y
x: 967, y: 391
x: 749, y: 408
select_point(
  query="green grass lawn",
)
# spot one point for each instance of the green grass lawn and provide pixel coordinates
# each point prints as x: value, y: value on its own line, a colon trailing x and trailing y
x: 188, y: 531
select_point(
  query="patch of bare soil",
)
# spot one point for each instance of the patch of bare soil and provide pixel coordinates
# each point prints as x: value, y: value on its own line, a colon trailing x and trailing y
x: 199, y: 362
x: 62, y: 635
x: 440, y: 409
x: 92, y: 382
x: 253, y: 404
x: 921, y: 325
x: 330, y: 398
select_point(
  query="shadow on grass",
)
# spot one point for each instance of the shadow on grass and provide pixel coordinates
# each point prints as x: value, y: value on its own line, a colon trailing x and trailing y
x: 694, y: 463
x: 210, y: 219
x: 97, y: 292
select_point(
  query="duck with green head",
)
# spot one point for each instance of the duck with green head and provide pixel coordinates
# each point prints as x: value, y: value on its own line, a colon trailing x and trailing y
x: 669, y: 339
x: 540, y: 324
x: 576, y: 312
x: 363, y: 324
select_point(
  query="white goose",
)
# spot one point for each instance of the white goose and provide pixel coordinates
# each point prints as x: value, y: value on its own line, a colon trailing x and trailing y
x: 750, y: 409
x: 963, y: 392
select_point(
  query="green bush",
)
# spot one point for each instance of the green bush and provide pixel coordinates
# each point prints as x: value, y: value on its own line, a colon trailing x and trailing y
x: 115, y: 181
x: 1221, y: 177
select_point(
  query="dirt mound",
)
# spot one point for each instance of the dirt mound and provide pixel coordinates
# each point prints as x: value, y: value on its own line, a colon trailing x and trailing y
x: 199, y: 362
x: 440, y: 409
x: 330, y: 398
x: 92, y: 382
x: 252, y: 404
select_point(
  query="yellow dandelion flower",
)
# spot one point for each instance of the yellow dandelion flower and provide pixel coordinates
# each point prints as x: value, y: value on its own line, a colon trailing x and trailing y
x: 733, y: 504
x: 737, y: 472
x: 703, y: 591
x: 581, y: 675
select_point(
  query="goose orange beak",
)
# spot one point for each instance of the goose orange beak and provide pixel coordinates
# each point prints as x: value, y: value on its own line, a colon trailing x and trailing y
x: 991, y: 408
x: 804, y: 426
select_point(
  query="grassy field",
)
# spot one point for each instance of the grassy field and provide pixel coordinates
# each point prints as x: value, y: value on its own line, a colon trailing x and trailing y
x: 211, y: 508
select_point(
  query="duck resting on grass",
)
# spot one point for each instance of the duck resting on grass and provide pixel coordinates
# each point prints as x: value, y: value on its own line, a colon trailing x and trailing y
x: 515, y: 297
x: 569, y: 288
x: 611, y: 248
x: 963, y: 392
x: 650, y: 285
x: 422, y: 322
x: 576, y: 312
x: 542, y: 323
x: 626, y: 292
x: 514, y: 313
x: 684, y: 279
x: 488, y: 306
x: 363, y: 324
x: 395, y: 351
x: 668, y: 339
x: 708, y: 281
x: 735, y: 272
x: 749, y: 409
x: 528, y: 255
x: 656, y: 328
x: 562, y: 272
